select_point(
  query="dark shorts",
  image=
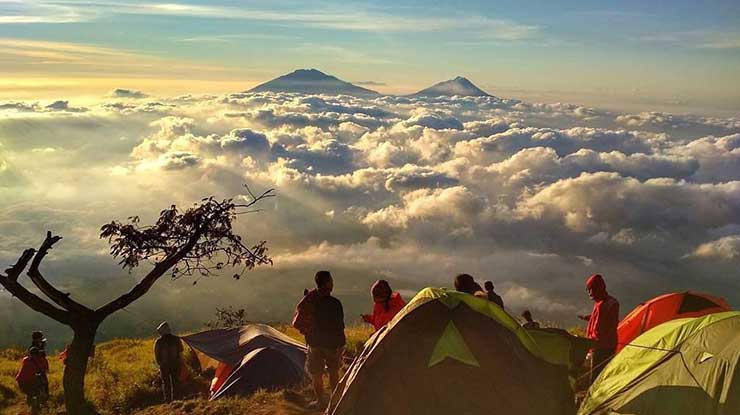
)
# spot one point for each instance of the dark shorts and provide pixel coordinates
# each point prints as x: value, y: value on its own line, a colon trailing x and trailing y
x: 320, y: 357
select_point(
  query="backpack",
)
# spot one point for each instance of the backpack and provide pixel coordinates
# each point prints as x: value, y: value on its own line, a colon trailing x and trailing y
x: 303, y: 319
x: 31, y: 385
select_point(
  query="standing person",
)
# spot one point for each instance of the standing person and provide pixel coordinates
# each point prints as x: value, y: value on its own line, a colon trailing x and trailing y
x: 492, y: 296
x: 168, y: 353
x: 602, y: 324
x: 466, y: 284
x: 320, y: 317
x: 386, y: 304
x: 32, y: 378
x: 529, y: 323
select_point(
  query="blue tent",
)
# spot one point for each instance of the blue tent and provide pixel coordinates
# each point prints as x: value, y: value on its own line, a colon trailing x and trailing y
x: 249, y: 358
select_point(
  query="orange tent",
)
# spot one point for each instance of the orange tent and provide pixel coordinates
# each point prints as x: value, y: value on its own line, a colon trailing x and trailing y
x: 664, y: 308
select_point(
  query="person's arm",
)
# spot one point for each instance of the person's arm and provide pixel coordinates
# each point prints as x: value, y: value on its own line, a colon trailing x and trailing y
x: 368, y: 318
x: 341, y: 314
x: 584, y: 317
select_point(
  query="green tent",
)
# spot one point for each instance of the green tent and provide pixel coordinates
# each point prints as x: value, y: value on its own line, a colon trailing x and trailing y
x: 685, y: 366
x: 450, y: 353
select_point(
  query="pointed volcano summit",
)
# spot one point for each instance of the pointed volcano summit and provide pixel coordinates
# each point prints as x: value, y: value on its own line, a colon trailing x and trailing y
x: 312, y: 81
x: 458, y: 86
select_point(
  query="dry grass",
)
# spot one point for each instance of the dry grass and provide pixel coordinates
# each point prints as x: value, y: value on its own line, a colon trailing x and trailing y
x: 123, y: 379
x: 260, y: 403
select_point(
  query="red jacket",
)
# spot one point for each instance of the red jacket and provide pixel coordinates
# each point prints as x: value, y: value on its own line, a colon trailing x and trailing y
x: 381, y: 316
x: 604, y: 319
x: 29, y: 367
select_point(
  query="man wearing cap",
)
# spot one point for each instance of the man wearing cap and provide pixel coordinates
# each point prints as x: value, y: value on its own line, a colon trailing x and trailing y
x: 167, y: 352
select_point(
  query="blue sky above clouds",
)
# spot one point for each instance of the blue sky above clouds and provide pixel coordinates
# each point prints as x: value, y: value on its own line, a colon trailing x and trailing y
x: 650, y: 52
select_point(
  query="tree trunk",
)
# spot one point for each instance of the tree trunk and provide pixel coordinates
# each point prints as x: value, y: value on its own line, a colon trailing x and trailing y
x: 76, y: 367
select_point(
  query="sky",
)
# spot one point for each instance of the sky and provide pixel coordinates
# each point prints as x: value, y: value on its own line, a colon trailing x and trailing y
x: 667, y: 55
x: 612, y: 146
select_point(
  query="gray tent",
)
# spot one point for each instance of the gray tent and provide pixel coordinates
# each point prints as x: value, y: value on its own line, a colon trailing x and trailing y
x: 249, y: 358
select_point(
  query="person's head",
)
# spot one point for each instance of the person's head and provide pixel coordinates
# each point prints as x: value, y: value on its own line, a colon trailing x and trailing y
x: 488, y: 285
x: 466, y: 284
x: 164, y: 328
x: 324, y: 281
x: 35, y: 351
x: 596, y: 287
x: 381, y: 292
x: 38, y: 340
x: 527, y: 315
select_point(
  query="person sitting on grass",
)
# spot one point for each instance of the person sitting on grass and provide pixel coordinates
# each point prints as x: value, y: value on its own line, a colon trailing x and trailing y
x: 320, y: 318
x: 386, y: 304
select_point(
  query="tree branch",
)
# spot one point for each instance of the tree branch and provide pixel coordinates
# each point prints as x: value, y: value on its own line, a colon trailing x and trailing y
x: 10, y: 282
x: 62, y: 299
x: 148, y: 281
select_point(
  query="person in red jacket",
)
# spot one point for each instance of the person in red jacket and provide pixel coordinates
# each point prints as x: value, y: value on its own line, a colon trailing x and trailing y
x: 32, y: 378
x: 386, y: 304
x: 602, y: 324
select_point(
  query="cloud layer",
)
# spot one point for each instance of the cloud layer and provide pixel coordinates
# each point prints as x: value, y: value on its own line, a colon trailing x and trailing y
x: 532, y: 196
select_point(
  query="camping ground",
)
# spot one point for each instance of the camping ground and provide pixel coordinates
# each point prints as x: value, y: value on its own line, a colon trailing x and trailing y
x: 123, y: 379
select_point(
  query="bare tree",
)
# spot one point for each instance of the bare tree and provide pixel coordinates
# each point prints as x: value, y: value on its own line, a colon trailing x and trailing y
x: 195, y: 242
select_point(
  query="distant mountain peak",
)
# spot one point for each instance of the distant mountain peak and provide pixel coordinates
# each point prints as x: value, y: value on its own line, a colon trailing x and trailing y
x: 312, y: 81
x: 456, y: 86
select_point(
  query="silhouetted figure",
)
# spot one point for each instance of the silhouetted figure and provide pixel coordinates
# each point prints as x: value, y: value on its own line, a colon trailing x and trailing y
x: 529, y: 323
x: 320, y: 317
x: 168, y: 354
x: 32, y: 376
x: 386, y: 304
x: 492, y: 296
x: 466, y: 284
x: 602, y: 324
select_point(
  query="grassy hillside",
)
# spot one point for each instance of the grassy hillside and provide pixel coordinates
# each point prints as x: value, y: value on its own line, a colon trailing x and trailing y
x: 123, y: 379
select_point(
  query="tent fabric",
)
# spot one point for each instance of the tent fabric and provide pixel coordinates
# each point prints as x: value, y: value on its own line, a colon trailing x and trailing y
x: 559, y: 347
x: 684, y: 366
x: 232, y: 344
x: 274, y: 370
x: 253, y: 355
x: 665, y: 308
x: 448, y: 352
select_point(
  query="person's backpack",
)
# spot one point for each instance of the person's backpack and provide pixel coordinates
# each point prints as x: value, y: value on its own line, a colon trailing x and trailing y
x: 30, y: 383
x: 303, y: 319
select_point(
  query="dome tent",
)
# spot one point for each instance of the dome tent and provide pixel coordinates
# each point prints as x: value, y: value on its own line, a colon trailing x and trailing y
x: 685, y: 366
x: 665, y: 308
x: 448, y: 352
x: 248, y: 358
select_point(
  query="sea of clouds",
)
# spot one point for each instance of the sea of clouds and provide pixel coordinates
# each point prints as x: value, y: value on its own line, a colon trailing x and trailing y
x: 532, y: 196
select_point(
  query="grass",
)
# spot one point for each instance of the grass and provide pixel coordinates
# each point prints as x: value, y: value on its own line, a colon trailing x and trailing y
x: 260, y: 403
x: 123, y: 379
